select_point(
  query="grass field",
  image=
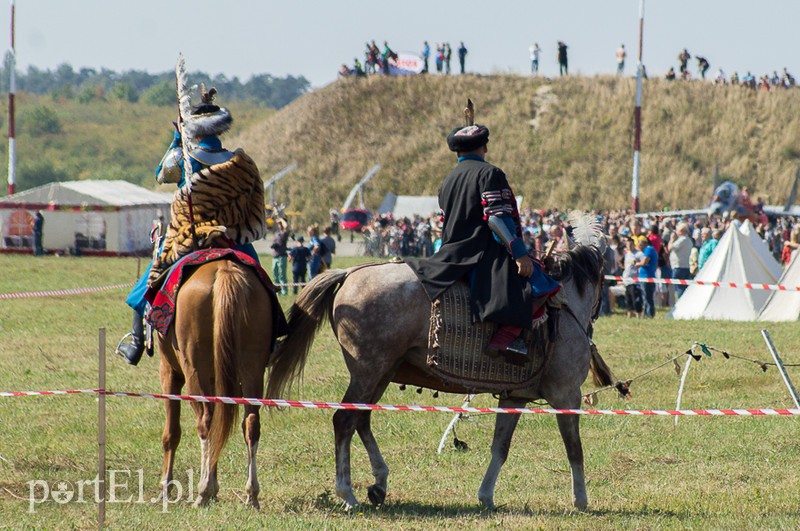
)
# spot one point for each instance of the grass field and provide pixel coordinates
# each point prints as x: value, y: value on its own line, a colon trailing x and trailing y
x: 643, y: 472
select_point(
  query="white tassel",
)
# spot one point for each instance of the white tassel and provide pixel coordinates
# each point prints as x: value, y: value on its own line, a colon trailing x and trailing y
x: 585, y: 228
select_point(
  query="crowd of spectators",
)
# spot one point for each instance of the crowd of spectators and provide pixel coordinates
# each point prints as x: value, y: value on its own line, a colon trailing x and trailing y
x: 765, y: 82
x: 379, y: 61
x: 674, y: 247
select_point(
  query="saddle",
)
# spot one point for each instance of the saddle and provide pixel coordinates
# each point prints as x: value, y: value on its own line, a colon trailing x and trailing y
x: 163, y: 298
x: 457, y: 347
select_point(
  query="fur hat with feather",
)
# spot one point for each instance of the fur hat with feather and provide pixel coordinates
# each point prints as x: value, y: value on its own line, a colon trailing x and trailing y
x: 207, y: 118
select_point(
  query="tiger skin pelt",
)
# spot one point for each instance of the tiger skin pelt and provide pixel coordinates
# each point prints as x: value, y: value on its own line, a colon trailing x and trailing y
x: 227, y: 199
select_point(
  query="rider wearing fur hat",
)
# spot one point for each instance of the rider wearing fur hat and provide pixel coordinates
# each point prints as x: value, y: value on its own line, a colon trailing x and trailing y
x: 482, y: 244
x: 203, y: 128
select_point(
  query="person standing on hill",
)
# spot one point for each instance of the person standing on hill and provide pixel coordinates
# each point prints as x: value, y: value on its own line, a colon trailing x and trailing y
x: 426, y: 54
x: 702, y: 66
x: 562, y: 59
x: 683, y: 58
x: 448, y: 53
x: 439, y: 57
x: 535, y: 50
x: 621, y: 54
x: 388, y: 54
x: 462, y: 56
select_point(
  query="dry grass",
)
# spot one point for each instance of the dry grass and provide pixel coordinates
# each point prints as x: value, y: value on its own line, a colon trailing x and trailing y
x: 579, y: 156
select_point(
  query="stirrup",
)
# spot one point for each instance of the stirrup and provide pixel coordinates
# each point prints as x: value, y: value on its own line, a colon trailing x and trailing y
x: 122, y: 342
x: 516, y: 353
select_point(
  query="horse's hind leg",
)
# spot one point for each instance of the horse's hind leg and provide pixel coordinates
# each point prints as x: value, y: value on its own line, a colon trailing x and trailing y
x: 251, y: 429
x: 343, y: 427
x: 208, y: 487
x: 380, y: 471
x: 171, y: 383
x: 345, y: 424
x: 504, y: 427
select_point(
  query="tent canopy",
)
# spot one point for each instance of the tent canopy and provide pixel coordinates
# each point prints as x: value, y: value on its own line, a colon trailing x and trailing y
x: 734, y: 260
x: 785, y: 305
x: 96, y: 193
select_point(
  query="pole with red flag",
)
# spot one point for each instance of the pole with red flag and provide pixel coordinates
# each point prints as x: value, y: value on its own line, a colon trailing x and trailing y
x: 12, y: 88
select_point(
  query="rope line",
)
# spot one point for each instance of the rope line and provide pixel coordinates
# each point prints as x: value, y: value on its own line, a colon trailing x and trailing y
x: 305, y: 404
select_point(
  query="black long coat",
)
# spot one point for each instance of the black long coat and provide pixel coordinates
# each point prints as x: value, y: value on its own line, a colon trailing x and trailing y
x: 470, y: 252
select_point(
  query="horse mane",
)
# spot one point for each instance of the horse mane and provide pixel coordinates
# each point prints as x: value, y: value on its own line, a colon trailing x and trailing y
x: 583, y: 264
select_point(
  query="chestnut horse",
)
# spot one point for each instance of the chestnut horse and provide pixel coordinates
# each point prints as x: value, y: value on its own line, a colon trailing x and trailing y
x: 381, y: 317
x: 218, y: 345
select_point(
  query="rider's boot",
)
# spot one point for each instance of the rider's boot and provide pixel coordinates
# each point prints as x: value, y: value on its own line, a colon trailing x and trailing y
x: 508, y: 342
x: 132, y: 352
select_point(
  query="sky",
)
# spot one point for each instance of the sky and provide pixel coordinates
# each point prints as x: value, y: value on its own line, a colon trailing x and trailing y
x: 313, y: 38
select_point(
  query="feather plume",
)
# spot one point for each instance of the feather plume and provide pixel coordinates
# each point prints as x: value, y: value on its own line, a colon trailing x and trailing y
x: 469, y: 113
x: 585, y: 228
x: 185, y: 111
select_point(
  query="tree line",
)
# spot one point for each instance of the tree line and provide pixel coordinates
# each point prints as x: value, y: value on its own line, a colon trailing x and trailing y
x: 89, y: 84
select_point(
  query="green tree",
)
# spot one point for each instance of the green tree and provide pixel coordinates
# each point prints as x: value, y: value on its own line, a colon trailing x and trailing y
x: 160, y: 94
x: 38, y: 172
x: 42, y: 121
x: 90, y: 94
x: 125, y: 92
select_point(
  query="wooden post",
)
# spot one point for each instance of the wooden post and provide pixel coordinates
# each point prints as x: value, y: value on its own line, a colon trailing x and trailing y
x: 781, y: 368
x: 101, y: 433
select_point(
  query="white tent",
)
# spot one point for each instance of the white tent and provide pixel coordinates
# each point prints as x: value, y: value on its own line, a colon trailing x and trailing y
x: 761, y: 248
x: 785, y: 305
x: 92, y: 217
x: 734, y: 260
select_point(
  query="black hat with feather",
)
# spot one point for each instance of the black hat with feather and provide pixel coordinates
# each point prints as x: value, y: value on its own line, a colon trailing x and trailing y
x: 469, y: 137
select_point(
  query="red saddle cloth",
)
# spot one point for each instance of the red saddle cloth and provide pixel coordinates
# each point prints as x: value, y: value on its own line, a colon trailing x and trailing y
x: 163, y: 299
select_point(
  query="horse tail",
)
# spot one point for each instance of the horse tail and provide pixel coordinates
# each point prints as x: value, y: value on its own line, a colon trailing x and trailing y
x: 230, y: 310
x: 312, y: 307
x: 601, y: 372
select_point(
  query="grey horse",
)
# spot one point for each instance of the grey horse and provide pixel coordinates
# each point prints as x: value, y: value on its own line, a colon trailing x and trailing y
x: 380, y: 316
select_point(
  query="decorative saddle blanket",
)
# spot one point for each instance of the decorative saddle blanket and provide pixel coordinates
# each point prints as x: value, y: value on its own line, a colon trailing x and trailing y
x: 163, y: 299
x: 457, y: 347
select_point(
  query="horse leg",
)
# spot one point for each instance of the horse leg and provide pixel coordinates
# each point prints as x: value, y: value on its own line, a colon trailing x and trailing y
x: 345, y: 423
x: 504, y: 427
x: 380, y: 470
x: 569, y: 426
x: 208, y: 487
x: 251, y: 429
x: 171, y: 383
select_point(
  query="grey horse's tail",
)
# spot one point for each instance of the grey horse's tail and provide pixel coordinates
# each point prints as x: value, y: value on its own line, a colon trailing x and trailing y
x: 312, y: 307
x: 601, y: 372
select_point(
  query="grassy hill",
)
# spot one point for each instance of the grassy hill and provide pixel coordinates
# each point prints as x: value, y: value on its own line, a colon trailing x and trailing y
x: 564, y: 143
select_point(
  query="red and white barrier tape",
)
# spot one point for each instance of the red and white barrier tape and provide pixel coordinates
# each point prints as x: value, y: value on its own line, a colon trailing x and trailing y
x: 680, y: 282
x: 304, y: 404
x: 52, y: 293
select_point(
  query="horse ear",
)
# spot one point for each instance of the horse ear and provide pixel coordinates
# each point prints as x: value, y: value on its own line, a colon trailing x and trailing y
x: 602, y: 244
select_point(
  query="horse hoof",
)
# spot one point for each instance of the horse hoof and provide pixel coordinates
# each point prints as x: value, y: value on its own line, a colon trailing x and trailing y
x: 488, y: 504
x: 202, y: 501
x: 582, y: 505
x: 253, y: 502
x: 377, y: 495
